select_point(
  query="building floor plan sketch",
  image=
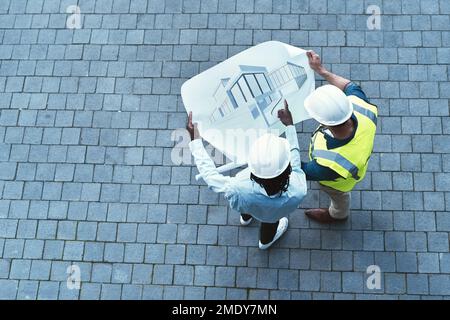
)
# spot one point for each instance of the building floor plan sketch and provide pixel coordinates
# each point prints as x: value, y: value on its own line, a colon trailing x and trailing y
x: 238, y: 100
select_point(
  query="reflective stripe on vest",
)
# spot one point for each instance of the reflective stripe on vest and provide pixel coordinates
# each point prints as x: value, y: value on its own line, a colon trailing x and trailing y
x: 336, y: 157
x: 366, y: 112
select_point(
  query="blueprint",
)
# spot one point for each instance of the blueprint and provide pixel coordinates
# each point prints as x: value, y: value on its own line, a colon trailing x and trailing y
x: 237, y: 100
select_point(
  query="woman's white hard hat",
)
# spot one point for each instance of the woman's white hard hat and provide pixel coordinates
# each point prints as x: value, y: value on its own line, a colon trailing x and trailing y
x: 329, y: 105
x: 269, y: 156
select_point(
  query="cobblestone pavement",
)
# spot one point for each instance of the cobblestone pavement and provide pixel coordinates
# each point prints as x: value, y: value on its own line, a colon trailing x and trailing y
x: 86, y: 177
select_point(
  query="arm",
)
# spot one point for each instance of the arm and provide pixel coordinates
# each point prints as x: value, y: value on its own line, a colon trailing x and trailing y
x: 291, y: 135
x: 352, y: 89
x: 216, y: 181
x: 334, y: 79
x: 349, y: 87
x: 316, y: 172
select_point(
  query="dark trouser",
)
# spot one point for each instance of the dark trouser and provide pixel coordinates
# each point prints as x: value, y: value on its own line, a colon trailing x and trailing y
x: 267, y: 231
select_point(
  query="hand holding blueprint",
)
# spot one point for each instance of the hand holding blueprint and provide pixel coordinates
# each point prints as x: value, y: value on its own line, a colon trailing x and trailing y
x: 237, y: 100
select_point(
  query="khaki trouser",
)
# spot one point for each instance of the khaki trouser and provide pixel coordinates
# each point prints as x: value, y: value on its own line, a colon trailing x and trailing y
x: 340, y: 202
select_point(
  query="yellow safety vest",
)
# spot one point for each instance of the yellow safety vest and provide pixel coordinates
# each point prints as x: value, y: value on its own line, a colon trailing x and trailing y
x: 351, y: 160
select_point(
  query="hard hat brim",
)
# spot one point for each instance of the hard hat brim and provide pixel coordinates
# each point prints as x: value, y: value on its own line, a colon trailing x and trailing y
x: 310, y: 109
x: 287, y: 148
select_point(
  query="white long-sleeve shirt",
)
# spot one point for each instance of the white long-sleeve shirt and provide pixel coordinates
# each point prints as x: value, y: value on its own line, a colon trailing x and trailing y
x: 247, y: 196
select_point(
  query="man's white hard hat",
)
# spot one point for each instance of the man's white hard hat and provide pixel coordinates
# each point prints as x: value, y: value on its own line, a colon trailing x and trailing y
x: 329, y: 105
x: 269, y: 156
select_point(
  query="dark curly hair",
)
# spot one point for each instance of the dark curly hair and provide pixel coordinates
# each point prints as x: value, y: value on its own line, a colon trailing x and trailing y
x: 275, y: 185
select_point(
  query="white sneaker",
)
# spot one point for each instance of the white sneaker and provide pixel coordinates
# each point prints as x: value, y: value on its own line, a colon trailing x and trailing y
x: 282, y: 227
x: 245, y: 222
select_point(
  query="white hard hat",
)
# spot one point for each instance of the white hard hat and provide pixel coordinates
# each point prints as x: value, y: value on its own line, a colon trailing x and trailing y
x: 329, y: 105
x: 269, y: 156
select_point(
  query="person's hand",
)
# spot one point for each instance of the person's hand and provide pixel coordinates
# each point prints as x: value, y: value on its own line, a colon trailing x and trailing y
x: 314, y: 62
x: 192, y: 128
x: 285, y: 115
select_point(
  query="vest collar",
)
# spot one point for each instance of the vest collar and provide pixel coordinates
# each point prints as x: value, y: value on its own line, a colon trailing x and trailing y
x: 333, y: 143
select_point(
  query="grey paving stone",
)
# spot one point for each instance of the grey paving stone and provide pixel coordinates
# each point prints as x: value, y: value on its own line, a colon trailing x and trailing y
x: 438, y: 241
x: 207, y: 234
x: 110, y: 291
x: 73, y: 250
x: 142, y: 274
x: 26, y: 229
x: 90, y: 291
x: 93, y: 251
x: 361, y: 260
x: 353, y: 282
x: 225, y: 276
x: 216, y: 255
x: 267, y: 278
x: 278, y: 258
x: 53, y: 249
x: 162, y: 274
x: 395, y: 283
x: 20, y: 269
x: 331, y: 281
x: 64, y: 89
x: 40, y: 270
x: 416, y: 241
x: 406, y: 262
x: 386, y: 261
x: 121, y: 273
x: 167, y: 233
x: 320, y: 260
x: 146, y: 233
x: 428, y: 262
x: 176, y: 214
x: 126, y: 232
x: 33, y: 249
x: 9, y: 289
x: 196, y: 254
x: 101, y: 272
x: 425, y: 221
x: 309, y: 280
x: 13, y: 248
x: 175, y: 254
x: 114, y: 252
x: 187, y: 234
x: 417, y: 283
x: 439, y: 284
x: 27, y: 290
x: 342, y: 261
x: 48, y: 290
x: 106, y: 231
x: 204, y: 275
x: 134, y: 253
x: 310, y: 239
x: 154, y: 253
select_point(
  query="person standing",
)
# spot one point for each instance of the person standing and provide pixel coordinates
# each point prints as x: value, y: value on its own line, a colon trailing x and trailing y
x: 270, y: 188
x: 341, y: 146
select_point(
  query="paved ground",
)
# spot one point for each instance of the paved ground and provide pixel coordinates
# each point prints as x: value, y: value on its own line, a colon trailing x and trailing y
x: 86, y: 176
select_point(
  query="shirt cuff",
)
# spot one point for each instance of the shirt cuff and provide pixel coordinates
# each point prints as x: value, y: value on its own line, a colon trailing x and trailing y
x: 291, y: 132
x: 196, y: 144
x: 291, y: 136
x: 346, y: 86
x: 291, y: 128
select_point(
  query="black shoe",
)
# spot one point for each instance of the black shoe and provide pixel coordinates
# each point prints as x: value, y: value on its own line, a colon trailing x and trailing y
x: 245, y: 219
